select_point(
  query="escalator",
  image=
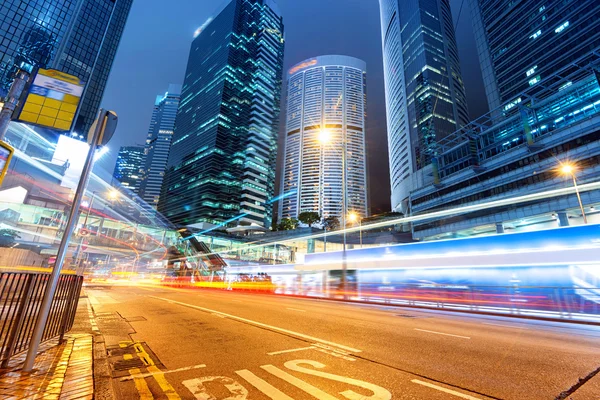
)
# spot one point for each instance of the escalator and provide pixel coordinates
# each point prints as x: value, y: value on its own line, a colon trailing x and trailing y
x: 213, y: 261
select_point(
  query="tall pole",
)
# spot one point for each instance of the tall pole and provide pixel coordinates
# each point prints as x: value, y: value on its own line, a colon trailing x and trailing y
x: 579, y: 198
x: 40, y: 323
x: 12, y: 99
x: 344, y: 211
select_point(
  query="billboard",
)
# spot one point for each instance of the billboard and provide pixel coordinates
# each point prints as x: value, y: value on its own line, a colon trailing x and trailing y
x: 52, y: 100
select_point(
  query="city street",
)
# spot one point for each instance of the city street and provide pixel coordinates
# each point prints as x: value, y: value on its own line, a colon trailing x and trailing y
x: 202, y: 344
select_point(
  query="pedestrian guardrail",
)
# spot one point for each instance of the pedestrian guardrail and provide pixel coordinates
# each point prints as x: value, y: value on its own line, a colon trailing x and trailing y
x: 21, y: 295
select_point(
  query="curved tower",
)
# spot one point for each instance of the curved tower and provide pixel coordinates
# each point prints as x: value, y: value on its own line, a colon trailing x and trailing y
x: 325, y: 129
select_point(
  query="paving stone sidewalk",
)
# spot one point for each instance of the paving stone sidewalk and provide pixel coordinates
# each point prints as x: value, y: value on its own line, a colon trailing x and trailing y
x: 61, y: 371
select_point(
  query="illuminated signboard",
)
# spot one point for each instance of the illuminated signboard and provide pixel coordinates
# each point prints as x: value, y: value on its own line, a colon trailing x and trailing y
x: 52, y: 100
x: 306, y: 64
x: 6, y: 153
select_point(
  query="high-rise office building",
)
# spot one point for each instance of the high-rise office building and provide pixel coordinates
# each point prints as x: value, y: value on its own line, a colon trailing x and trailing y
x: 222, y: 161
x: 129, y: 167
x: 425, y: 96
x: 325, y: 133
x: 522, y: 42
x: 158, y: 143
x: 79, y: 37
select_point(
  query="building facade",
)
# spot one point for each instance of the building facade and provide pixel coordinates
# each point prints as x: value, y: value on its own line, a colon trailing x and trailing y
x: 79, y: 37
x: 129, y: 167
x: 518, y: 150
x: 158, y: 144
x: 425, y: 96
x: 221, y: 166
x: 522, y: 42
x: 325, y: 167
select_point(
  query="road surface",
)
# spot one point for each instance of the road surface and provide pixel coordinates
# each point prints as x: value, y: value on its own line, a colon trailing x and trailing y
x: 203, y: 344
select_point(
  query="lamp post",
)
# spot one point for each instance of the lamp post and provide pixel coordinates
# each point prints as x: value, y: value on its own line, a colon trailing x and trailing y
x: 569, y: 169
x: 324, y: 138
x: 354, y: 217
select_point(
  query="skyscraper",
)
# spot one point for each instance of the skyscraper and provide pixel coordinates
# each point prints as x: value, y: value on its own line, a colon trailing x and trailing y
x: 129, y: 166
x: 325, y: 129
x: 222, y: 161
x: 425, y: 96
x: 158, y: 143
x: 79, y: 37
x: 521, y: 43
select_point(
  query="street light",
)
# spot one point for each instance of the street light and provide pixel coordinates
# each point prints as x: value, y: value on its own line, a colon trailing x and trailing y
x: 354, y: 217
x: 570, y: 169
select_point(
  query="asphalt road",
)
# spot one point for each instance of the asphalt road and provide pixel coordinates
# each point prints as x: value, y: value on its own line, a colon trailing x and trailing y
x: 202, y: 344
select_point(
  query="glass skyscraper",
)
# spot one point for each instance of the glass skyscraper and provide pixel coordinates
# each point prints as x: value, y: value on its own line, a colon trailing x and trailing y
x: 221, y: 165
x: 158, y: 143
x: 79, y: 37
x: 522, y: 42
x: 425, y: 95
x: 326, y: 111
x: 129, y: 166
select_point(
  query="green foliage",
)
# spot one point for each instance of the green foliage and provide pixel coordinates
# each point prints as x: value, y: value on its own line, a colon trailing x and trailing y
x: 309, y: 217
x: 331, y: 223
x: 8, y: 237
x: 288, y: 224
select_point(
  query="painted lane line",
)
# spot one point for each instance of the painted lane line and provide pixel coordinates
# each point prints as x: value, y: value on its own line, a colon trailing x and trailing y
x: 442, y: 389
x: 290, y: 351
x: 505, y: 326
x: 256, y: 323
x: 149, y: 374
x: 300, y: 384
x: 141, y: 386
x: 335, y: 354
x: 441, y: 333
x: 295, y: 309
x: 263, y: 386
x: 219, y: 315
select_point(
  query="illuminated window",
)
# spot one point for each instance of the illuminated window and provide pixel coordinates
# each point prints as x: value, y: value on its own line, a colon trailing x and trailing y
x: 536, y: 35
x: 531, y: 71
x: 562, y: 27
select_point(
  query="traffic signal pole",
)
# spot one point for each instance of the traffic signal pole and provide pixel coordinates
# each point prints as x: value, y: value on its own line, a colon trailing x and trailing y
x: 12, y: 100
x: 40, y: 323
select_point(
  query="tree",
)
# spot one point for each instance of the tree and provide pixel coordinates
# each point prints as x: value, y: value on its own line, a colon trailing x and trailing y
x: 309, y: 218
x: 288, y: 224
x: 331, y: 223
x: 7, y: 237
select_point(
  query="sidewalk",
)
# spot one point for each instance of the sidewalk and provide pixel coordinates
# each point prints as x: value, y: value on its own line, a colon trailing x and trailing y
x: 62, y: 371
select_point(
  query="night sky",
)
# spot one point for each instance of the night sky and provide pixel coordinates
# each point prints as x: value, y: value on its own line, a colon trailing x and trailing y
x: 156, y: 42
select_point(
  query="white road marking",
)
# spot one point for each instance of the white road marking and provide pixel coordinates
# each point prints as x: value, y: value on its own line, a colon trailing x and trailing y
x: 295, y: 309
x: 200, y: 392
x: 379, y: 393
x: 219, y: 315
x: 441, y: 333
x: 300, y: 384
x: 256, y: 323
x: 263, y: 386
x: 290, y: 351
x: 504, y: 326
x: 442, y: 389
x: 132, y: 377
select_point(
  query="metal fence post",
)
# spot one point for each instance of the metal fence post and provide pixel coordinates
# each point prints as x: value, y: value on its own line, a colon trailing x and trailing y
x: 18, y: 323
x: 70, y: 309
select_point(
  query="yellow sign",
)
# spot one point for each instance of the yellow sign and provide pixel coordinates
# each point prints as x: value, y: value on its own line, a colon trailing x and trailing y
x: 6, y: 153
x: 52, y: 100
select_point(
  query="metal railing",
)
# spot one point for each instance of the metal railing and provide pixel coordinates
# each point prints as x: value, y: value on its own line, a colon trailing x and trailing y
x: 21, y: 296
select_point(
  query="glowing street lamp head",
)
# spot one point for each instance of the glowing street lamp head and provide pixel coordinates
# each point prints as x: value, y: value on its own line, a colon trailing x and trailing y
x: 113, y: 194
x: 353, y: 217
x: 324, y: 136
x: 567, y: 169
